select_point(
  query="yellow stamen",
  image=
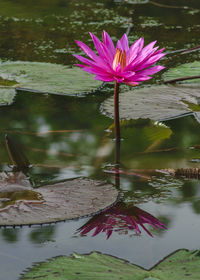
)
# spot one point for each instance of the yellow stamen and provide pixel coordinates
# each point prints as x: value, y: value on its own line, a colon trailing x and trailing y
x: 120, y: 57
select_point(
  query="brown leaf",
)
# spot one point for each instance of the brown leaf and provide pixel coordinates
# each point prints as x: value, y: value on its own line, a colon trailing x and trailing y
x: 52, y: 203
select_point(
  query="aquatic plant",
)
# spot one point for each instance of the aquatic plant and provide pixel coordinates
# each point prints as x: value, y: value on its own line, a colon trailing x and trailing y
x: 121, y: 64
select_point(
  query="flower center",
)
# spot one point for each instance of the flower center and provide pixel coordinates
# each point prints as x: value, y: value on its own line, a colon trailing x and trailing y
x: 120, y: 57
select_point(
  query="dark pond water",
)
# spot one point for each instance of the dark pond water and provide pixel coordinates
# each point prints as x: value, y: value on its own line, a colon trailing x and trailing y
x: 45, y: 31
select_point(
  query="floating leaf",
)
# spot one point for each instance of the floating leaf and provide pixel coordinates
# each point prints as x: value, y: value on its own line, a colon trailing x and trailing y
x: 6, y: 95
x: 157, y: 103
x: 47, y: 77
x: 21, y: 205
x: 184, y: 70
x: 181, y: 265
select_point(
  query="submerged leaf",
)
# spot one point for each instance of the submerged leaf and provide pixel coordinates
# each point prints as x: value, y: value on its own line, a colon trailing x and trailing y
x: 47, y: 77
x: 181, y: 265
x: 22, y: 205
x: 157, y: 103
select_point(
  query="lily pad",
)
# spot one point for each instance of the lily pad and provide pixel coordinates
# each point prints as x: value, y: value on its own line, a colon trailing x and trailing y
x: 47, y: 77
x: 6, y: 95
x: 157, y: 103
x: 181, y: 265
x: 184, y: 70
x: 21, y: 205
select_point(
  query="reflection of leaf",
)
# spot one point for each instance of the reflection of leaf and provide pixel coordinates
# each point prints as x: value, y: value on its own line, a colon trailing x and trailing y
x: 10, y: 234
x: 153, y: 132
x: 157, y: 132
x: 157, y: 103
x: 47, y: 77
x: 42, y: 234
x: 181, y: 265
x: 61, y: 201
x: 16, y: 154
x: 184, y: 70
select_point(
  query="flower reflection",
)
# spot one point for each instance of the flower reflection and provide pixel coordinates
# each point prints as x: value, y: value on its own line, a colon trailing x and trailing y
x: 121, y: 218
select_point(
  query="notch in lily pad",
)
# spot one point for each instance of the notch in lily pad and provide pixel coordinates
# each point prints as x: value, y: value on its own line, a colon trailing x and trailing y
x: 181, y: 265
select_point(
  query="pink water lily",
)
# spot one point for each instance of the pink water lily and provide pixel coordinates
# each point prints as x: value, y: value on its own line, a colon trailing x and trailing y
x: 123, y: 64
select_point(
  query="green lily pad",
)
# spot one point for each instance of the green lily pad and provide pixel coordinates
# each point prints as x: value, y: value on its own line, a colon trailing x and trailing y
x: 157, y: 103
x: 48, y: 78
x: 184, y: 70
x: 181, y: 265
x: 20, y: 204
x: 6, y: 95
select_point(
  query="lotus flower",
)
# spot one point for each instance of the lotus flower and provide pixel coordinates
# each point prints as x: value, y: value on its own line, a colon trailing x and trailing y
x: 123, y: 64
x: 121, y: 218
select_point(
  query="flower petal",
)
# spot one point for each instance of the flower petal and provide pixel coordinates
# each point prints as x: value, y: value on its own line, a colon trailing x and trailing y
x: 108, y: 43
x: 142, y: 56
x: 148, y: 48
x: 85, y: 60
x: 131, y: 83
x: 98, y: 45
x: 104, y: 78
x: 101, y: 65
x: 124, y: 43
x: 87, y: 50
x: 150, y: 61
x: 152, y: 70
x: 95, y: 71
x: 139, y: 78
x: 119, y: 45
x: 102, y: 50
x: 134, y: 50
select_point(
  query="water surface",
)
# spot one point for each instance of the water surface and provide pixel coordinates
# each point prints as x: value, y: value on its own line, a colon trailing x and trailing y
x: 81, y: 141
